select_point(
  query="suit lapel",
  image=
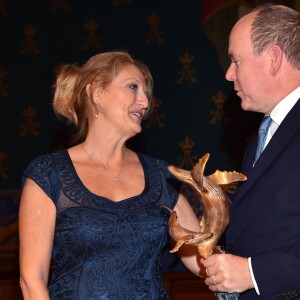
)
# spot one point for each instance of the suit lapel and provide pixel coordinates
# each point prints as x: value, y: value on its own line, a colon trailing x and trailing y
x: 282, y: 136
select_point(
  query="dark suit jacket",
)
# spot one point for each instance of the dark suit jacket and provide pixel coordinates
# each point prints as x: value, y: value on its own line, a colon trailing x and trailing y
x: 265, y: 214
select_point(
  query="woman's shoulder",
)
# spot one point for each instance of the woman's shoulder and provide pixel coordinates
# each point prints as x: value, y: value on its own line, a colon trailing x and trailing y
x: 152, y: 160
x: 45, y: 165
x: 43, y: 170
x: 47, y: 160
x: 155, y: 164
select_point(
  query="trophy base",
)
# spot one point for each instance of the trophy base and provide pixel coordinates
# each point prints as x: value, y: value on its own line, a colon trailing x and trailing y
x: 226, y: 296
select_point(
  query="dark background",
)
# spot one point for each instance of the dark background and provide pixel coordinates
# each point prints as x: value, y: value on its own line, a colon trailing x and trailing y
x: 184, y: 43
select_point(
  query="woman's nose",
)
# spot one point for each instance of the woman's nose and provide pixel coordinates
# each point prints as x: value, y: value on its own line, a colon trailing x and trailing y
x: 143, y: 100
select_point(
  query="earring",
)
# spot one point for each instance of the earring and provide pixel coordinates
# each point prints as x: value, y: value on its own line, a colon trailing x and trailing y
x: 97, y: 110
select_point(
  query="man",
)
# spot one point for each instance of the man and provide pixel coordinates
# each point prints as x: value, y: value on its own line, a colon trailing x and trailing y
x: 262, y: 259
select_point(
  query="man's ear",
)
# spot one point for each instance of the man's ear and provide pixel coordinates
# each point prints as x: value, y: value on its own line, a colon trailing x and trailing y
x: 276, y: 55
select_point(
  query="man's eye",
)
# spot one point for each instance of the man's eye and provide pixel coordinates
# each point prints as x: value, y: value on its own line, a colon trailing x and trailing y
x: 236, y: 62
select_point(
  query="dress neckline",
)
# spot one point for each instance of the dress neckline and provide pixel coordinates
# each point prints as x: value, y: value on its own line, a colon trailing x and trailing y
x: 99, y: 197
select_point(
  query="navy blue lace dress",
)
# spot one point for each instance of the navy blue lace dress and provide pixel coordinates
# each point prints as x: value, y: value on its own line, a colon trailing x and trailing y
x: 104, y: 249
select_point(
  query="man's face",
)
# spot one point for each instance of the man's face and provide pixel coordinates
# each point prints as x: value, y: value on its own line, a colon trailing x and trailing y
x: 247, y: 70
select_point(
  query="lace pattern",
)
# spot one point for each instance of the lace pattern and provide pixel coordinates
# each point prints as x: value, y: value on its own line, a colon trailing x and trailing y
x: 105, y: 249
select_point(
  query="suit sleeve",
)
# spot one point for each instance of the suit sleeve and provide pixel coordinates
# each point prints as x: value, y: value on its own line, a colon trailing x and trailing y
x: 277, y: 271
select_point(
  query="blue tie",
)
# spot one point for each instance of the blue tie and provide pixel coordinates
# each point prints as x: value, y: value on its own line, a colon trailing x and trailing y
x: 262, y: 135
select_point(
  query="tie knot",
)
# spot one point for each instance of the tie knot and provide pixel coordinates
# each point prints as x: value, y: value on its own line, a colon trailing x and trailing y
x: 265, y: 123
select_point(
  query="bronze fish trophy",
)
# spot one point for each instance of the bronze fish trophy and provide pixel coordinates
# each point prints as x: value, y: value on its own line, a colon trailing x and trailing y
x: 215, y: 210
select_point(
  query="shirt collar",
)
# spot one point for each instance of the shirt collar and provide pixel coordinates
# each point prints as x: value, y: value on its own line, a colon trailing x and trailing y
x: 284, y: 106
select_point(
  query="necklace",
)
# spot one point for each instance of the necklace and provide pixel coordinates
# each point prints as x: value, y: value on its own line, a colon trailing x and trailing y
x: 115, y: 178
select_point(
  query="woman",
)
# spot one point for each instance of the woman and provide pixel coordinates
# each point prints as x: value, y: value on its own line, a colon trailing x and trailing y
x: 96, y: 208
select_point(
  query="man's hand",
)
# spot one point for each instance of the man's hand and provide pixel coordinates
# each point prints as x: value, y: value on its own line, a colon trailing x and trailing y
x: 227, y: 273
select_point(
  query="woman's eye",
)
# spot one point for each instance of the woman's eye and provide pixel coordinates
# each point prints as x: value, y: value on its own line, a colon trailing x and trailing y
x: 133, y: 86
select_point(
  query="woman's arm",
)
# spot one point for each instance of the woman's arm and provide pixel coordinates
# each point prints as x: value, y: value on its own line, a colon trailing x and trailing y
x: 189, y: 254
x: 37, y: 216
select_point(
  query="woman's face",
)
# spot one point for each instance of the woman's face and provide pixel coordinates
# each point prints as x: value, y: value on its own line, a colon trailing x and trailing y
x: 124, y: 102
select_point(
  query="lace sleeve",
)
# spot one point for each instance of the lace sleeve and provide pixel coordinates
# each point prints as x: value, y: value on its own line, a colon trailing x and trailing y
x: 171, y: 185
x: 42, y: 171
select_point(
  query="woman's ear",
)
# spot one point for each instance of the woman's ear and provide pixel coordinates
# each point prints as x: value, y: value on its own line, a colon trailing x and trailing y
x: 96, y: 92
x: 93, y: 93
x: 88, y: 90
x: 276, y: 55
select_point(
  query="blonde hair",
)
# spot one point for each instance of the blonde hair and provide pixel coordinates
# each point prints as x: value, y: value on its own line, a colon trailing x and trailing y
x: 70, y: 97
